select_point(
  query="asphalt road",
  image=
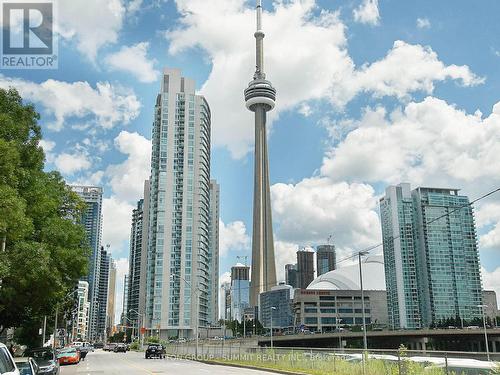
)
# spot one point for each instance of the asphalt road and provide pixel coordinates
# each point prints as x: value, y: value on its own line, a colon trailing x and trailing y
x: 132, y: 363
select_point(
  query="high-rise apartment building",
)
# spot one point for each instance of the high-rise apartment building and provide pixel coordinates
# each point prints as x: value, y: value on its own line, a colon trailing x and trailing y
x: 110, y: 320
x: 80, y: 322
x: 325, y: 259
x: 430, y: 255
x: 102, y: 307
x: 305, y: 268
x: 123, y: 319
x: 178, y: 263
x: 291, y: 275
x: 92, y: 221
x: 213, y: 290
x: 137, y: 260
x: 240, y: 290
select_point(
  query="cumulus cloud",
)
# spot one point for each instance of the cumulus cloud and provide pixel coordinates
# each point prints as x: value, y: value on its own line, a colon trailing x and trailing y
x: 121, y: 270
x: 134, y: 60
x: 315, y: 47
x: 308, y: 212
x: 117, y: 219
x: 491, y: 280
x: 285, y: 253
x: 423, y: 23
x: 232, y: 237
x: 406, y: 68
x: 127, y: 178
x: 104, y: 106
x: 68, y: 163
x: 488, y: 216
x: 429, y: 142
x: 91, y: 24
x: 367, y: 13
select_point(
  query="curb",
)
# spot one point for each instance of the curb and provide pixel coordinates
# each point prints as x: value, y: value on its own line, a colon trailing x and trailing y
x: 237, y: 365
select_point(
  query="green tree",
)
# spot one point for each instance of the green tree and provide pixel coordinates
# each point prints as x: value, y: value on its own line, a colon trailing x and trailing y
x: 43, y: 248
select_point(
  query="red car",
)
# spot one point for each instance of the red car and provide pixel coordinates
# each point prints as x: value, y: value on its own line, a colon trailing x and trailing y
x: 68, y: 356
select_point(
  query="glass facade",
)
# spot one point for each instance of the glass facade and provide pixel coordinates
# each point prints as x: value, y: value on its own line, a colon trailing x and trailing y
x: 430, y: 256
x: 92, y: 221
x: 178, y: 282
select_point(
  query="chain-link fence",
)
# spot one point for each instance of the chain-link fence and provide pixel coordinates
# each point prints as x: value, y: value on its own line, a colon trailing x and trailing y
x: 333, y: 361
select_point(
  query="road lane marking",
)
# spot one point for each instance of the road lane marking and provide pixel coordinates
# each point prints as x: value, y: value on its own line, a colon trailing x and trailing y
x: 130, y: 363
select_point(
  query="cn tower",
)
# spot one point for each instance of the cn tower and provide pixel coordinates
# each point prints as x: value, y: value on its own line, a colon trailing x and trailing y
x: 260, y: 97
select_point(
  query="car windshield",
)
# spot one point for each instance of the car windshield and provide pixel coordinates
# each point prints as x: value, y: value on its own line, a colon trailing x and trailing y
x: 24, y: 368
x: 66, y: 352
x: 44, y: 355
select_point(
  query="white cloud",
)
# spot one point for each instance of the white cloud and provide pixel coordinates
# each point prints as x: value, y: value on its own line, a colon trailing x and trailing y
x: 367, y: 13
x: 232, y: 237
x: 91, y: 24
x: 430, y: 142
x: 47, y: 145
x: 423, y: 23
x: 285, y: 253
x: 406, y: 68
x: 117, y: 219
x: 308, y: 212
x: 68, y: 164
x: 134, y: 60
x: 121, y: 270
x: 315, y: 47
x: 491, y: 280
x: 127, y: 178
x: 106, y: 105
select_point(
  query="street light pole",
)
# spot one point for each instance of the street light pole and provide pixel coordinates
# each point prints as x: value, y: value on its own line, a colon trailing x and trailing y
x: 485, y: 333
x: 365, y: 342
x: 272, y: 309
x: 338, y: 320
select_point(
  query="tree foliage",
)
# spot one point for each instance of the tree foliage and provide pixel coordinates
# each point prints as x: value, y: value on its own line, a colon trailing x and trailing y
x: 45, y: 244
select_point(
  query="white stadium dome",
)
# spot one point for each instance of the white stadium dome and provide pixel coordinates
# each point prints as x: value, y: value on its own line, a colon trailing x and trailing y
x: 347, y: 278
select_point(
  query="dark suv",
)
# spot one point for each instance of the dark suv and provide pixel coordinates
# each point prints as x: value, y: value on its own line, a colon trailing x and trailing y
x: 120, y: 348
x: 155, y: 350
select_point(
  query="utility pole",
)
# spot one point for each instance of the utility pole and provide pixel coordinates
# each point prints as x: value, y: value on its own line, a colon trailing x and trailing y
x: 365, y: 343
x: 272, y: 309
x: 485, y: 333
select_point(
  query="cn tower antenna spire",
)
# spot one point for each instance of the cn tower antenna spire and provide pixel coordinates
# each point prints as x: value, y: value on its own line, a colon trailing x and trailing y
x: 259, y: 41
x: 260, y: 98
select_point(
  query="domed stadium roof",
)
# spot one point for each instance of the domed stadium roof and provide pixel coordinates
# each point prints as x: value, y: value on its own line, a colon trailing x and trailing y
x: 347, y: 278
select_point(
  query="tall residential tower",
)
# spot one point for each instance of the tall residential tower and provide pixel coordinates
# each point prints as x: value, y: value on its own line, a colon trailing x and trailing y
x: 431, y: 256
x: 178, y: 274
x: 260, y: 97
x: 92, y: 221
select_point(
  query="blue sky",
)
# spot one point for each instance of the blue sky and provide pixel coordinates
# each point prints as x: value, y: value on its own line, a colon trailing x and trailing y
x: 370, y: 93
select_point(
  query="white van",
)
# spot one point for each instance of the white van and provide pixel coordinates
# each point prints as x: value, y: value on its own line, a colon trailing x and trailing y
x: 7, y: 364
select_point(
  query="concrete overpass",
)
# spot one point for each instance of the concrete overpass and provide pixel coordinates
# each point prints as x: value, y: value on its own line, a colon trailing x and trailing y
x: 467, y: 340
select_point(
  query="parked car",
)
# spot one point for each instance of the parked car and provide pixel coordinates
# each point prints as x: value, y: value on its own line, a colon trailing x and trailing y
x: 67, y: 356
x: 155, y: 350
x: 98, y: 345
x: 46, y: 360
x: 120, y: 348
x: 7, y: 364
x: 26, y: 366
x: 109, y: 347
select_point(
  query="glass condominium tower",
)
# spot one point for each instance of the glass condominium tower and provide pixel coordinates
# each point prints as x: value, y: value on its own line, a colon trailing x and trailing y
x: 431, y: 256
x: 178, y: 281
x: 92, y: 221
